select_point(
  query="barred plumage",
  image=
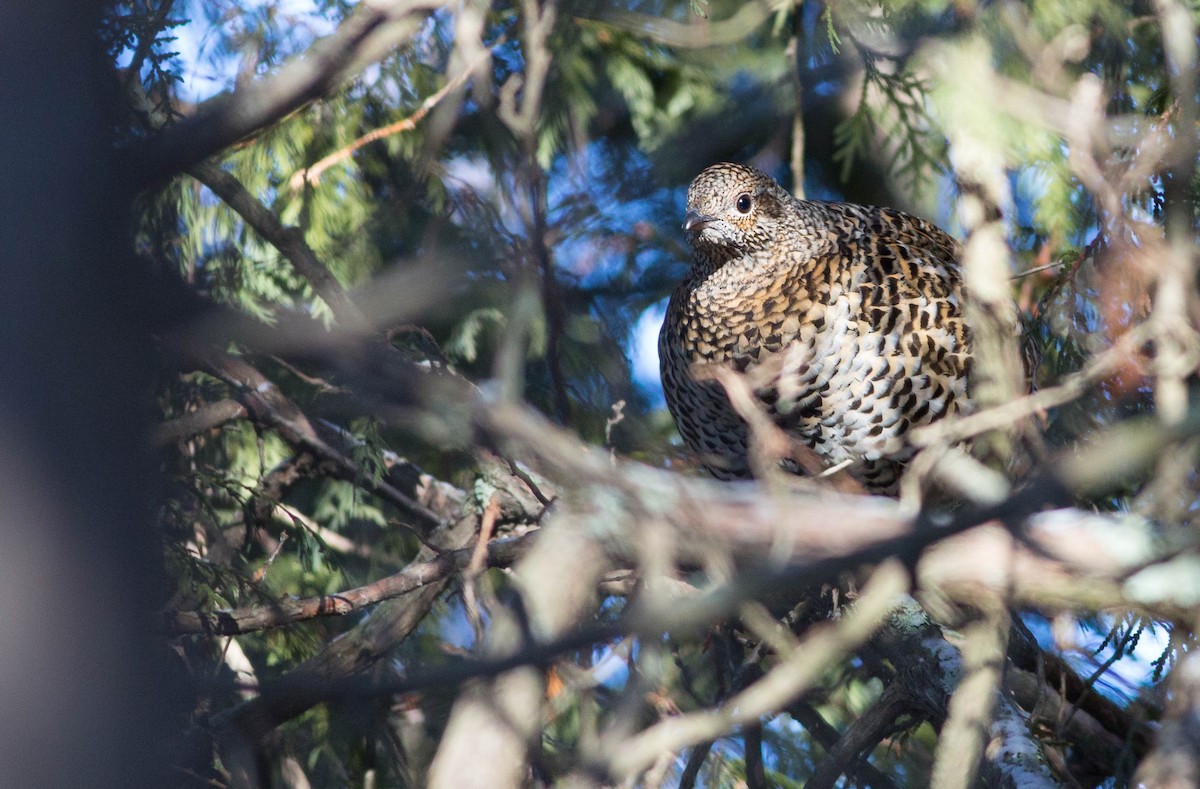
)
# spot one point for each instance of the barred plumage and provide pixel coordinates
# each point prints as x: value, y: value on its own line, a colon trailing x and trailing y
x: 846, y: 320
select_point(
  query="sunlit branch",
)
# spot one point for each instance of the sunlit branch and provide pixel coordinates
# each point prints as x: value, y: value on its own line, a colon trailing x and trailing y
x: 822, y: 647
x: 367, y: 35
x: 975, y: 702
x: 312, y: 174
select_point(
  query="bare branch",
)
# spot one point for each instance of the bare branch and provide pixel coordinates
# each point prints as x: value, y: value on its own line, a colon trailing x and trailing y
x: 201, y: 420
x: 288, y: 240
x: 476, y: 565
x: 493, y: 724
x: 521, y: 117
x: 769, y: 443
x: 312, y: 174
x: 691, y: 771
x: 370, y: 33
x: 268, y: 405
x: 796, y: 58
x: 931, y: 669
x: 1002, y: 415
x: 820, y: 648
x: 848, y: 750
x: 498, y: 553
x: 1072, y: 564
x: 755, y: 776
x: 1102, y: 749
x: 822, y: 732
x: 970, y: 715
x: 335, y: 541
x: 328, y: 674
x: 1175, y: 295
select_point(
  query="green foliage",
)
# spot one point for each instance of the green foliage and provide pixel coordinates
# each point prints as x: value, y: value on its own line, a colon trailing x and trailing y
x: 892, y: 102
x: 583, y: 219
x: 891, y: 106
x: 143, y: 31
x: 831, y: 32
x: 660, y: 92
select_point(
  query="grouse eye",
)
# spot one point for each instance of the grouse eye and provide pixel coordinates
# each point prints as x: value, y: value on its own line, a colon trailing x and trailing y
x: 743, y: 203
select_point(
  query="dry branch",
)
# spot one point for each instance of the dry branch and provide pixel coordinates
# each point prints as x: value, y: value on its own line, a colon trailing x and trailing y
x: 288, y: 240
x: 973, y: 705
x: 330, y: 674
x: 782, y: 685
x: 269, y: 406
x: 205, y: 418
x: 846, y: 753
x: 1102, y: 750
x: 1076, y: 559
x: 828, y: 736
x: 499, y: 553
x: 494, y: 723
x: 367, y: 35
x: 932, y: 672
x: 312, y: 174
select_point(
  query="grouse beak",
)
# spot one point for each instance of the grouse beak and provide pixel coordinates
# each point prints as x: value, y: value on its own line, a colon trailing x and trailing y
x: 694, y: 220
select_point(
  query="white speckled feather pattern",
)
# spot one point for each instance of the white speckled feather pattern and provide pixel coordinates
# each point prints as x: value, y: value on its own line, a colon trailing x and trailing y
x: 846, y: 319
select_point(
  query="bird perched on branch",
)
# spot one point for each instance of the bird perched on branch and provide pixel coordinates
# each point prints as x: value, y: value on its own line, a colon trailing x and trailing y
x: 843, y: 323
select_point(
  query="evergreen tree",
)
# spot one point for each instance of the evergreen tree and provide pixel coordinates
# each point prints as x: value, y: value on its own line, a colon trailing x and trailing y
x: 422, y: 523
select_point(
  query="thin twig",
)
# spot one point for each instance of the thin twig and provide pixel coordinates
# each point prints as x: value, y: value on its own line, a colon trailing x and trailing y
x: 236, y: 621
x: 261, y: 573
x: 367, y: 35
x: 952, y: 431
x: 848, y: 752
x: 268, y: 405
x: 768, y: 442
x: 312, y: 174
x: 475, y: 566
x: 1037, y: 269
x: 823, y: 646
x: 288, y: 240
x: 328, y: 537
x: 808, y: 717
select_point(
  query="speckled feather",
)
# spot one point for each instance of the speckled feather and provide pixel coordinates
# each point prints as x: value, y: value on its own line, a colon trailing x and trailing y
x: 845, y: 319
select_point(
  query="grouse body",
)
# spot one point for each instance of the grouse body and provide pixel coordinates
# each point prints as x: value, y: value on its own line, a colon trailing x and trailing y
x: 846, y: 320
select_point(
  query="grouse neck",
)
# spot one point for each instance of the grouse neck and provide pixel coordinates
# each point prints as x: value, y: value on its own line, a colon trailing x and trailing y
x: 802, y: 232
x: 711, y: 258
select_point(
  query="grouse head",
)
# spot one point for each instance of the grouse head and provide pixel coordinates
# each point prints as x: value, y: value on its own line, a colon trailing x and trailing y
x: 732, y: 211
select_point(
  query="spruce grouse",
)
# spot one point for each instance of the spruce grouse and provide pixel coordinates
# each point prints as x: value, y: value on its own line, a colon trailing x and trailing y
x: 845, y: 319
